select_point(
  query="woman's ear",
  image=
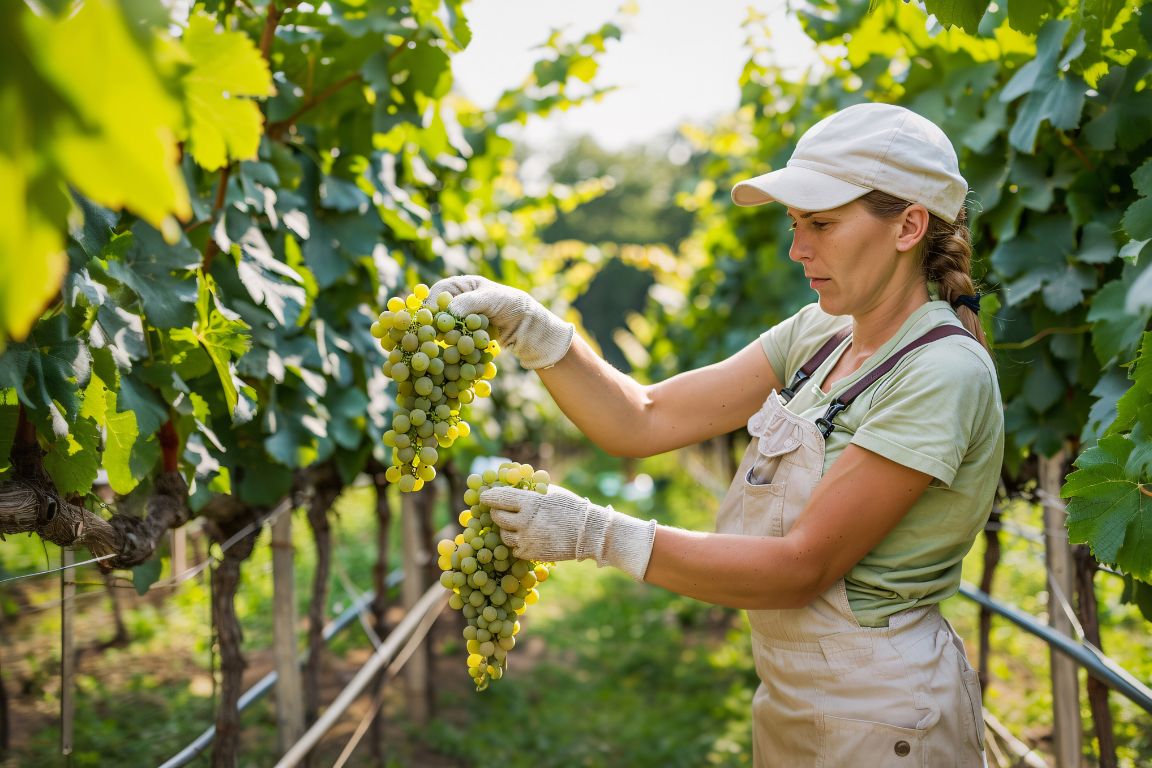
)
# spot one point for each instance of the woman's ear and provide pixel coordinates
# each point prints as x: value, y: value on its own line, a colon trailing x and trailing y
x: 913, y: 227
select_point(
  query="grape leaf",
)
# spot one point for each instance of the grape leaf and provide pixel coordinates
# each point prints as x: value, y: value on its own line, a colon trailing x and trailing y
x: 74, y: 460
x: 270, y: 282
x: 227, y: 69
x: 146, y: 574
x: 117, y: 142
x: 1065, y: 290
x: 1139, y: 300
x: 1036, y: 259
x: 55, y: 362
x: 1126, y: 120
x: 1043, y: 385
x: 296, y: 430
x: 122, y: 333
x: 1051, y: 93
x: 145, y: 263
x: 1138, y: 219
x: 1139, y: 594
x: 32, y: 256
x: 1028, y: 15
x: 1140, y: 394
x: 1109, y: 510
x: 119, y: 438
x: 1115, y: 329
x: 1097, y: 245
x: 150, y: 410
x: 1108, y: 391
x: 222, y: 335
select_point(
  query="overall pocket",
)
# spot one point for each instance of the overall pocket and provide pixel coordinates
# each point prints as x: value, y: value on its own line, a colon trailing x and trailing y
x: 761, y: 508
x: 875, y: 709
x: 850, y: 742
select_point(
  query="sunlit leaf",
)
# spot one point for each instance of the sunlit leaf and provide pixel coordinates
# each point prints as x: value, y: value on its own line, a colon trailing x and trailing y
x: 227, y: 73
x: 118, y: 143
x: 1109, y: 509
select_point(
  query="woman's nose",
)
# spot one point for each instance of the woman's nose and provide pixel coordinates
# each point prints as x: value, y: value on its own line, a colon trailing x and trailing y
x: 798, y: 250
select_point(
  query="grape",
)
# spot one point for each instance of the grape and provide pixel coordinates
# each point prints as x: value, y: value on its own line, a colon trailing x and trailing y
x: 440, y: 363
x: 490, y: 586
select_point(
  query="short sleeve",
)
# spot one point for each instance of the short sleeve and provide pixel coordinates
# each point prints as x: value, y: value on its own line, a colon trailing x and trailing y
x: 932, y: 408
x: 790, y: 343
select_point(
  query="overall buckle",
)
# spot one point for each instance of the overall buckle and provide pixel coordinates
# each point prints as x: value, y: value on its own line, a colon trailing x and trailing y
x: 824, y: 423
x: 790, y: 391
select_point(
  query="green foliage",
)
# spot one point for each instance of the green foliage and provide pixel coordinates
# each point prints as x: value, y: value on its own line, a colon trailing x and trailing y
x: 1049, y: 107
x: 317, y: 162
x: 1110, y: 496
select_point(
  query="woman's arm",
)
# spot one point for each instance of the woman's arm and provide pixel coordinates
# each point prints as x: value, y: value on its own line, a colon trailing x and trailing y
x: 852, y: 509
x: 627, y: 418
x: 620, y: 415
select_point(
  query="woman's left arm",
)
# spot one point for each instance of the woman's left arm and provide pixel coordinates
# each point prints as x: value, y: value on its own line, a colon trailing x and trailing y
x: 852, y: 509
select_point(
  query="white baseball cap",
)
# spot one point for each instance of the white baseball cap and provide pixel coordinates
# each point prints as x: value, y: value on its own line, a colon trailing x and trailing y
x: 862, y: 148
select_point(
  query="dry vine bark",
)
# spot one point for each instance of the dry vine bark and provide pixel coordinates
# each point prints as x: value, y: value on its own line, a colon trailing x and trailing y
x: 380, y: 590
x: 229, y: 635
x: 324, y: 485
x: 30, y: 503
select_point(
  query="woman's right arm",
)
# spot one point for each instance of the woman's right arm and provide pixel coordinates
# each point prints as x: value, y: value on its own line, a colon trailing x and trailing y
x: 617, y: 413
x: 626, y: 418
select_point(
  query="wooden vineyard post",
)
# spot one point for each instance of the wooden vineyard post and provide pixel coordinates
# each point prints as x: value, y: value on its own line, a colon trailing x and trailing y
x: 179, y: 544
x: 67, y: 650
x: 1067, y: 729
x: 991, y: 560
x: 289, y: 688
x: 416, y: 673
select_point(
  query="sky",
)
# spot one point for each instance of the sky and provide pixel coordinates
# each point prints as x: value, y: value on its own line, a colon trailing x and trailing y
x: 679, y: 60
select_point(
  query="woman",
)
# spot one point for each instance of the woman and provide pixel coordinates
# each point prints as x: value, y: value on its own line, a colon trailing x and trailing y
x: 877, y: 438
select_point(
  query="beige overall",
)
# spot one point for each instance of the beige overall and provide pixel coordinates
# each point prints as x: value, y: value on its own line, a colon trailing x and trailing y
x: 833, y: 693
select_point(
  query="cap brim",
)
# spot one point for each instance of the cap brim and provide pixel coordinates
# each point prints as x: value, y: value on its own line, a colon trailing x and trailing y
x: 799, y: 188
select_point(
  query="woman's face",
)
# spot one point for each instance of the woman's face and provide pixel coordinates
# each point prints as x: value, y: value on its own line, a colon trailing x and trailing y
x: 856, y: 262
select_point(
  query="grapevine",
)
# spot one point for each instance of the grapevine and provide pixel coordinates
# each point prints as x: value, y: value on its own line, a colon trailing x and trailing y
x: 440, y: 363
x: 489, y: 584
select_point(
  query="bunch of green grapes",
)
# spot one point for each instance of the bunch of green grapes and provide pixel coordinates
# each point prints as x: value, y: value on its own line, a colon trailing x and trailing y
x: 489, y: 584
x: 440, y: 363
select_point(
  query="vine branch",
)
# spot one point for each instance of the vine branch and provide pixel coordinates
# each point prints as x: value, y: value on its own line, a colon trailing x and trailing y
x: 277, y: 129
x: 212, y: 249
x: 1046, y: 332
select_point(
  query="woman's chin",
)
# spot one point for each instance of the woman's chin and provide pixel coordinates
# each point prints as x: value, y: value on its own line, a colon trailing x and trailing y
x: 830, y: 305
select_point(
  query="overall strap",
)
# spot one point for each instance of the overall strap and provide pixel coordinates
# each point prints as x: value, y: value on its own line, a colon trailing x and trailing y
x: 815, y: 362
x: 845, y: 399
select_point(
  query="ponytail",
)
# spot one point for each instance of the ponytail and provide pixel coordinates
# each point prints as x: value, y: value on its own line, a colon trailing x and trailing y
x: 946, y: 258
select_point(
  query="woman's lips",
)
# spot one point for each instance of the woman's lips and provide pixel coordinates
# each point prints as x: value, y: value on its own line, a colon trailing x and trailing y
x: 817, y: 282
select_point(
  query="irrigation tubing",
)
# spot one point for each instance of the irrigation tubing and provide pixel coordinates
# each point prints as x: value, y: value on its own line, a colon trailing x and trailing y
x: 432, y: 601
x: 414, y: 642
x: 268, y: 682
x: 1096, y: 663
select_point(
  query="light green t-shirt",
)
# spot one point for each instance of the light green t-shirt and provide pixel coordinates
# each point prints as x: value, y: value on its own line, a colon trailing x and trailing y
x: 938, y: 411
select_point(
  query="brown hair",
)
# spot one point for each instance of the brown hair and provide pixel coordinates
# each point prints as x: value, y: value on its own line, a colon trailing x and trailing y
x: 945, y: 255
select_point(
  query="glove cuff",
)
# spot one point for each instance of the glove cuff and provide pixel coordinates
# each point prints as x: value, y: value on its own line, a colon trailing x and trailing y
x: 550, y: 338
x: 622, y: 541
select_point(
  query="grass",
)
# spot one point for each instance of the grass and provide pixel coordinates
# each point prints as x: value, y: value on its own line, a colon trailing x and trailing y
x: 609, y: 673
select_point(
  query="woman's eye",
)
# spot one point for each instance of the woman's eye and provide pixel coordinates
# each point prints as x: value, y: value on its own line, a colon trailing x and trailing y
x: 819, y: 226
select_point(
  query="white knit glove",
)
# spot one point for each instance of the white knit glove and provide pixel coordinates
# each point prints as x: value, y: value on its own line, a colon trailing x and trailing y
x: 538, y: 337
x: 560, y: 525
